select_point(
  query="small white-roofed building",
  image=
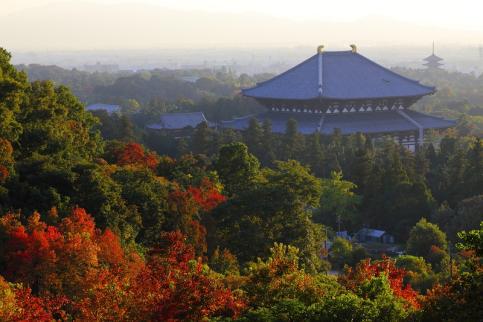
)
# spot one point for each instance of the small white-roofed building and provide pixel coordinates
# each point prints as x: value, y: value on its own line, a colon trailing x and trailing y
x: 109, y: 108
x: 179, y: 124
x: 374, y: 235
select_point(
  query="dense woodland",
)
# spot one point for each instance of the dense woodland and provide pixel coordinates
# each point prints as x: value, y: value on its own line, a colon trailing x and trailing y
x: 459, y: 95
x: 103, y: 221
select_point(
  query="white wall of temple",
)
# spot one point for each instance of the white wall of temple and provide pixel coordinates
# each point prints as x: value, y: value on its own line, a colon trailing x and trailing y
x: 338, y: 109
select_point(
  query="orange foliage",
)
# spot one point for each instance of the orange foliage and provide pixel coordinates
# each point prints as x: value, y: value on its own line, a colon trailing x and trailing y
x: 366, y: 270
x: 207, y: 195
x: 176, y: 286
x: 186, y: 207
x: 50, y: 259
x: 4, y: 173
x: 74, y: 271
x: 33, y: 308
x: 6, y: 159
x: 18, y: 304
x: 110, y: 249
x: 134, y: 154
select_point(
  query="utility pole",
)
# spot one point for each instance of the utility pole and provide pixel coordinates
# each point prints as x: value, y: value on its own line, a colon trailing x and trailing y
x: 450, y: 262
x: 338, y: 221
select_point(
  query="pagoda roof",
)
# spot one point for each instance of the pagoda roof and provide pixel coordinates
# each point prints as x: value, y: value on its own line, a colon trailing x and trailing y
x: 347, y: 123
x: 340, y: 75
x: 433, y: 58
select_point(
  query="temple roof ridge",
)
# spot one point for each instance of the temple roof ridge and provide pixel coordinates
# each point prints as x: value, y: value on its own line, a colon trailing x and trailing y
x: 343, y: 75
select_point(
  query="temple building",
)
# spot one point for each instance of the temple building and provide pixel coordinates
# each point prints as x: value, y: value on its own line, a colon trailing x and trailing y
x: 433, y: 61
x: 343, y: 90
x: 178, y: 124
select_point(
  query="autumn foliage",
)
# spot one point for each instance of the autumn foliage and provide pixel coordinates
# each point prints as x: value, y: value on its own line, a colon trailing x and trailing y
x: 186, y: 207
x: 19, y: 304
x: 177, y: 286
x: 6, y: 158
x: 366, y: 270
x: 74, y: 270
x: 134, y: 154
x: 207, y: 196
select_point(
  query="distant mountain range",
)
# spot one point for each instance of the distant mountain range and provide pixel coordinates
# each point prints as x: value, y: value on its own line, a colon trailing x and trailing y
x: 130, y: 26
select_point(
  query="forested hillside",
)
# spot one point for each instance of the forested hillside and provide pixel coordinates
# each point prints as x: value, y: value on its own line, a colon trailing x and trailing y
x: 103, y: 221
x: 458, y: 96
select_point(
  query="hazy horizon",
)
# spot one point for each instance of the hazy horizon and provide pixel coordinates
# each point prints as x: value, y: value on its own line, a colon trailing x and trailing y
x: 53, y: 25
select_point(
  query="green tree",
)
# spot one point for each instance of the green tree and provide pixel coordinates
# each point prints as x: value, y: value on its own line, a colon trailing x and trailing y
x: 202, y: 139
x: 12, y: 86
x: 338, y: 202
x: 102, y: 196
x: 473, y: 183
x: 334, y: 153
x: 269, y: 144
x: 472, y: 240
x: 131, y: 106
x: 280, y: 278
x: 340, y: 252
x: 418, y: 273
x: 361, y: 169
x: 460, y: 298
x: 142, y: 189
x: 55, y: 124
x: 237, y: 168
x: 292, y: 142
x: 467, y: 215
x: 428, y: 241
x: 253, y: 218
x: 314, y: 154
x: 253, y: 137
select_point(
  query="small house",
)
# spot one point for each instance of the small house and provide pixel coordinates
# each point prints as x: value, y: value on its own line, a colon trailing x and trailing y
x: 109, y: 108
x: 374, y: 235
x: 343, y: 234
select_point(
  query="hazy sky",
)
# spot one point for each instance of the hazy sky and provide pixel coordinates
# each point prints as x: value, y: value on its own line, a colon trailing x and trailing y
x: 458, y: 14
x: 75, y: 24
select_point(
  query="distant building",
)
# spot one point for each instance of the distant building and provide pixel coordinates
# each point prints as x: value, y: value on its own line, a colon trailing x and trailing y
x: 109, y: 108
x: 433, y: 61
x: 189, y: 79
x: 343, y: 234
x: 346, y: 91
x: 178, y: 123
x: 374, y: 235
x: 101, y: 68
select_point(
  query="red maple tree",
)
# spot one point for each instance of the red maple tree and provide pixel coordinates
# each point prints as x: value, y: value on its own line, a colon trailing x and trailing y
x: 74, y: 271
x: 134, y: 154
x: 366, y: 270
x: 207, y: 195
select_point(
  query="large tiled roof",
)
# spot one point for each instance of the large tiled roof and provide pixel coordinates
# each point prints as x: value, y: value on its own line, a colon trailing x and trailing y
x: 343, y: 75
x: 306, y: 123
x: 430, y: 122
x: 375, y: 122
x: 347, y: 123
x: 177, y: 121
